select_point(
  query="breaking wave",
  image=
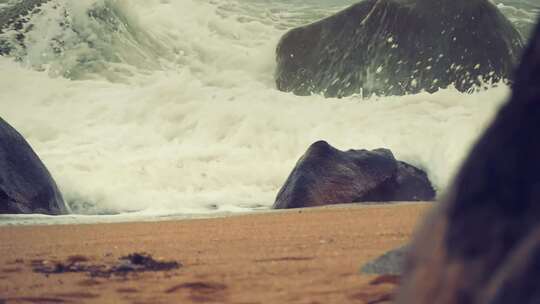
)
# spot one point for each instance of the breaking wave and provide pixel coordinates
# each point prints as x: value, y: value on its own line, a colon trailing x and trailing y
x: 161, y: 106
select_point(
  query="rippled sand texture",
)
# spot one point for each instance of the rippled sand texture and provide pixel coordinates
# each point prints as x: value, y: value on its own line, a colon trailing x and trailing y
x: 300, y: 256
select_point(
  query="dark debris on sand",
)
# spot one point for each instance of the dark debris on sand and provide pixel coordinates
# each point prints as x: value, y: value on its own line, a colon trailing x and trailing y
x: 133, y: 263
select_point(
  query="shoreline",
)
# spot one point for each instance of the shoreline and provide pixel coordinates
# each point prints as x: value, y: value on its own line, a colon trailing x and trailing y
x: 17, y: 220
x: 296, y: 256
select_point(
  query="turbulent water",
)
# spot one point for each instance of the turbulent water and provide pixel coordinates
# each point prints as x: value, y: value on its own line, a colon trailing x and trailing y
x: 164, y: 107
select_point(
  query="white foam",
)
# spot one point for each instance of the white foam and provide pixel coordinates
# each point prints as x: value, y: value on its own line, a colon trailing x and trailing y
x: 204, y: 130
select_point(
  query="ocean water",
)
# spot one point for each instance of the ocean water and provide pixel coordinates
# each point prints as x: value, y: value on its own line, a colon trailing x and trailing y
x: 168, y: 108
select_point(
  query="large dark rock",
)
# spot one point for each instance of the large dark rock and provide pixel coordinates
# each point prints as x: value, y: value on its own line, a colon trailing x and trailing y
x: 26, y: 186
x: 396, y: 47
x: 325, y: 175
x: 481, y: 245
x: 516, y: 281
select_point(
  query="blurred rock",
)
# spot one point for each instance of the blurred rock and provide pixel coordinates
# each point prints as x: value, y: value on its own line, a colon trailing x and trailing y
x: 391, y: 262
x: 481, y: 245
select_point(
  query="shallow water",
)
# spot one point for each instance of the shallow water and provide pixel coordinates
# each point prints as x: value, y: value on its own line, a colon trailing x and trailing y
x: 157, y: 108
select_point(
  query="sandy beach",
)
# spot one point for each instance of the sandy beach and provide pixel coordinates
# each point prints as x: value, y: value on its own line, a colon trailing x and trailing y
x: 298, y: 256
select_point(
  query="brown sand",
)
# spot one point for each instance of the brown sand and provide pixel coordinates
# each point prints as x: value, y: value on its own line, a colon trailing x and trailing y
x: 301, y: 256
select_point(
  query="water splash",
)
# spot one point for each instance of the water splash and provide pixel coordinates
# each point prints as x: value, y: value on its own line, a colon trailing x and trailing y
x: 166, y: 107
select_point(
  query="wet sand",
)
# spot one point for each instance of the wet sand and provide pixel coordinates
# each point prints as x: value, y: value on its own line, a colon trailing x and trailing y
x: 295, y: 256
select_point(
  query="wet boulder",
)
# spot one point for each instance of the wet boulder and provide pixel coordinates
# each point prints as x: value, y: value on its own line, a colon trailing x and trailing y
x: 482, y: 243
x: 397, y: 47
x: 325, y: 175
x: 26, y: 185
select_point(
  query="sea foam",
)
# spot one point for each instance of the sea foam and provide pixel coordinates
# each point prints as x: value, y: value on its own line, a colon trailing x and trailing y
x: 167, y: 107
